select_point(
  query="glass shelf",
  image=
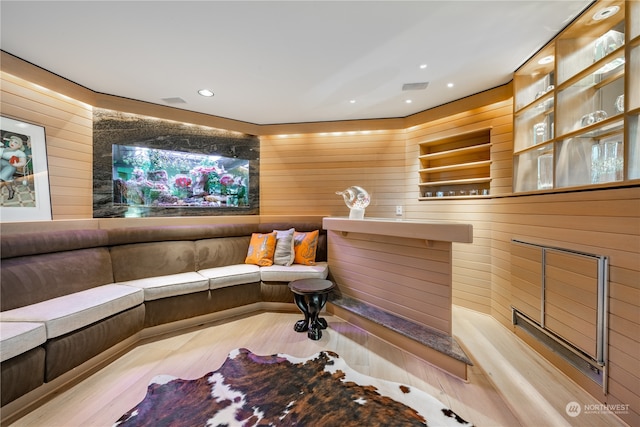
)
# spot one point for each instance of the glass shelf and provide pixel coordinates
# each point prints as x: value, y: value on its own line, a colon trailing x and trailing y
x: 587, y: 41
x: 590, y: 159
x: 595, y: 97
x: 633, y: 155
x: 634, y: 19
x: 533, y: 169
x: 634, y: 70
x: 534, y: 86
x: 633, y: 96
x: 535, y: 124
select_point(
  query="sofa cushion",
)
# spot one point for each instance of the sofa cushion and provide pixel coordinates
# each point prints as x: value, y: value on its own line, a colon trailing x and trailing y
x: 239, y: 274
x: 74, y: 311
x: 285, y: 252
x: 305, y: 247
x: 19, y: 337
x: 170, y: 285
x: 281, y: 273
x: 261, y: 249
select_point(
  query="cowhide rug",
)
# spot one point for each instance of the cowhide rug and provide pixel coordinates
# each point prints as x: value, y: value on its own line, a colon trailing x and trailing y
x: 280, y: 390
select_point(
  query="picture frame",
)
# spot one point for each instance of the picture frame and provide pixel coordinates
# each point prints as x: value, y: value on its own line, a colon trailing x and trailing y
x: 24, y: 172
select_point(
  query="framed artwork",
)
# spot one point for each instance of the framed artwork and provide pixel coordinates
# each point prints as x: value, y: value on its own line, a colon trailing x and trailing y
x: 24, y: 173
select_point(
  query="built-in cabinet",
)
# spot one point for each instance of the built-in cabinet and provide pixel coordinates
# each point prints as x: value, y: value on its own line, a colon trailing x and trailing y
x: 574, y: 126
x: 456, y: 166
x: 560, y: 297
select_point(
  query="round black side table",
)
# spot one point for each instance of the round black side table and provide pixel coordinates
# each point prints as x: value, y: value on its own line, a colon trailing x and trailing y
x: 311, y: 295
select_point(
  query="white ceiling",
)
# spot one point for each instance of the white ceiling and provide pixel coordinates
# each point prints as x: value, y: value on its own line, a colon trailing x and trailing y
x: 272, y: 62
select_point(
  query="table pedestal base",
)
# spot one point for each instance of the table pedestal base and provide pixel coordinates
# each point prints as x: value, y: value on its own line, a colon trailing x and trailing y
x: 311, y: 305
x: 311, y: 296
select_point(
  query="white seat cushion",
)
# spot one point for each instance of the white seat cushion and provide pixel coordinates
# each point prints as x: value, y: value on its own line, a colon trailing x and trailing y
x: 71, y: 312
x: 282, y: 273
x: 170, y: 285
x: 230, y: 275
x: 19, y: 337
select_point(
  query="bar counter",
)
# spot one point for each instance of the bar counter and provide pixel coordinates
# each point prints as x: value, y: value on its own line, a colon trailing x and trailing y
x: 400, y: 267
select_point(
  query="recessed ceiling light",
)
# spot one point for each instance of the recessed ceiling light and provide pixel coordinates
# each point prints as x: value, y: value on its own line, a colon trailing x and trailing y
x: 449, y: 84
x: 408, y: 101
x: 353, y: 101
x: 606, y: 13
x: 423, y: 66
x: 546, y: 60
x: 205, y: 92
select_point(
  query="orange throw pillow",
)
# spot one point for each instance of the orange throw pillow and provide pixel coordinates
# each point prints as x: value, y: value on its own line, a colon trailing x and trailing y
x: 261, y: 249
x: 305, y: 246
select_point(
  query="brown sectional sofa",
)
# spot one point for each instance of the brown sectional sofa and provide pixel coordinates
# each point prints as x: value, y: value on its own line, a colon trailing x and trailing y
x: 67, y: 296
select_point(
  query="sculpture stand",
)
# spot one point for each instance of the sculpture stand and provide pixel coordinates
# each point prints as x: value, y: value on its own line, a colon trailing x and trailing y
x: 356, y: 213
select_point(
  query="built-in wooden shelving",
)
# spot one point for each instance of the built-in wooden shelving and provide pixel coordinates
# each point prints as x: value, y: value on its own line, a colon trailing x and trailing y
x: 575, y: 105
x: 456, y: 166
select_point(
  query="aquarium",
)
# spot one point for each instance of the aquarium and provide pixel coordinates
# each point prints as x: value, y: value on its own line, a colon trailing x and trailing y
x: 164, y: 178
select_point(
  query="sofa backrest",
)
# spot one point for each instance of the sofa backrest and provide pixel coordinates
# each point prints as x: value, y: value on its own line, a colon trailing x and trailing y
x: 141, y: 260
x: 221, y: 251
x: 15, y: 245
x: 32, y: 279
x: 40, y: 266
x: 122, y: 236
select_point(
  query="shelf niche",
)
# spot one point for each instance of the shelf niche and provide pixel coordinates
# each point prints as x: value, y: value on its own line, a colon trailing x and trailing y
x: 457, y: 166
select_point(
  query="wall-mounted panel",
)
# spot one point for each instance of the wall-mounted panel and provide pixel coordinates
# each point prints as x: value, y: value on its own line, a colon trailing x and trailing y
x: 572, y: 317
x: 526, y: 279
x: 572, y: 289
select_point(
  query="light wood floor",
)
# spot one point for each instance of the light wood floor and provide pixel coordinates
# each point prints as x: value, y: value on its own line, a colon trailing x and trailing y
x: 508, y: 386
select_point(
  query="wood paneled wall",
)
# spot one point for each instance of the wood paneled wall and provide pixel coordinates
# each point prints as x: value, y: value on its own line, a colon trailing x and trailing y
x: 300, y: 174
x: 471, y: 262
x: 604, y: 222
x: 68, y: 131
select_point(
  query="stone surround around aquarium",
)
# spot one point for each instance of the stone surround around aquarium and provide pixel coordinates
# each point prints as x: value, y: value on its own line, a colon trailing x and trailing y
x: 112, y: 127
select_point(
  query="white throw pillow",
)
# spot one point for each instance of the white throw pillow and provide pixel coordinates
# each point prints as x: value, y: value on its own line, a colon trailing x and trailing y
x: 284, y: 254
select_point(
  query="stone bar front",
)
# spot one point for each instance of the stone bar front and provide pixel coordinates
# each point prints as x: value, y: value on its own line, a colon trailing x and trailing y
x: 398, y: 269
